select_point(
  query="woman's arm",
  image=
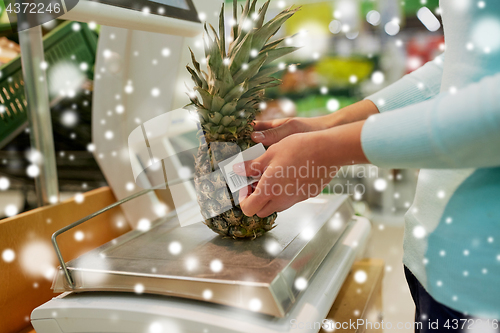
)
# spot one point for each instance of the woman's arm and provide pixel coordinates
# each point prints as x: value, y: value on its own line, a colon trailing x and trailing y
x: 420, y: 85
x: 271, y: 132
x: 460, y: 130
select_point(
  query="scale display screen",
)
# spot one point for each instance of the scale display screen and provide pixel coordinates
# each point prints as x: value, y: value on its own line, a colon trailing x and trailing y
x: 179, y: 9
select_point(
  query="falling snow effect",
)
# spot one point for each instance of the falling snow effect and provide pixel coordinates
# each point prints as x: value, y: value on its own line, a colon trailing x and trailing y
x: 155, y: 92
x: 4, y: 183
x: 336, y: 223
x: 373, y: 17
x: 139, y: 288
x: 175, y: 248
x: 109, y: 135
x: 79, y: 198
x: 486, y: 34
x: 307, y: 234
x: 392, y: 28
x: 479, y: 41
x: 130, y: 186
x: 380, y: 184
x: 191, y: 264
x: 360, y: 276
x: 33, y: 171
x: 207, y: 294
x: 272, y: 247
x: 333, y: 105
x: 38, y: 259
x: 378, y: 77
x: 419, y: 232
x: 144, y: 225
x: 8, y: 255
x: 255, y: 304
x: 300, y: 283
x: 216, y: 265
x: 79, y: 236
x: 65, y: 79
x: 69, y: 118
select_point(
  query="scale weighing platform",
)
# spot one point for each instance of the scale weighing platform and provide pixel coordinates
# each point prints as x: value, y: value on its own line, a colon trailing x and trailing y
x: 173, y: 279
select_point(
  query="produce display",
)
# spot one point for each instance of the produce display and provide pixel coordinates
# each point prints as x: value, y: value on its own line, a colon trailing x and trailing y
x: 227, y: 97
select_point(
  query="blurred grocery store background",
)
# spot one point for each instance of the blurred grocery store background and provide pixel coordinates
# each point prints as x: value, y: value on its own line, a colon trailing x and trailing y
x: 350, y: 49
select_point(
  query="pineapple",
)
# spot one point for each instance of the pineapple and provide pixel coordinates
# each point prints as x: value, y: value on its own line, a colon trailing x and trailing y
x: 227, y: 98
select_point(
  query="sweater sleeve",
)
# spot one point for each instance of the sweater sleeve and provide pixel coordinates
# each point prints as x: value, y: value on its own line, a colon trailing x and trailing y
x: 460, y: 130
x: 418, y: 86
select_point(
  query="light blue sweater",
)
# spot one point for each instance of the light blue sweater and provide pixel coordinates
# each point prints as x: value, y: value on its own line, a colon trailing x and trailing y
x: 444, y: 119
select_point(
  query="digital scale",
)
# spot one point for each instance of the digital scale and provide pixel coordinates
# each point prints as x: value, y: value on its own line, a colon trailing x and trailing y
x: 185, y: 279
x: 138, y: 283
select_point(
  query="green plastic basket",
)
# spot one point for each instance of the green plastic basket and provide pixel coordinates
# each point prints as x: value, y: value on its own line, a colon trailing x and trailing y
x: 62, y: 44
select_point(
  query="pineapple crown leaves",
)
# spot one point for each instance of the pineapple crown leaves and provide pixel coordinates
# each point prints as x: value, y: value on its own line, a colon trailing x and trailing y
x: 228, y: 95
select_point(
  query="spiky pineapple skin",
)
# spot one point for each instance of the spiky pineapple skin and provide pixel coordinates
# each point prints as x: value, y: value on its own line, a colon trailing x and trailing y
x: 227, y: 98
x: 221, y: 212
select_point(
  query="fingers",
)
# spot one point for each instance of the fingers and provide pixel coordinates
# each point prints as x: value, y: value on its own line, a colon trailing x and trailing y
x: 265, y: 125
x: 267, y: 210
x: 254, y: 203
x: 258, y: 199
x: 266, y: 206
x: 244, y: 192
x: 277, y: 131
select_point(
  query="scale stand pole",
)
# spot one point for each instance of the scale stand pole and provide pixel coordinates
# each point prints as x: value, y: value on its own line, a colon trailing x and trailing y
x: 40, y: 123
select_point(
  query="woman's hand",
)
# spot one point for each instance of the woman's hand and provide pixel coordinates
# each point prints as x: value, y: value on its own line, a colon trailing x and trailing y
x: 273, y: 131
x: 270, y: 132
x: 298, y: 167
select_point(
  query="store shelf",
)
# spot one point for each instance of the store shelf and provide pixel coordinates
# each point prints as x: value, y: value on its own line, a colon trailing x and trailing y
x: 62, y: 44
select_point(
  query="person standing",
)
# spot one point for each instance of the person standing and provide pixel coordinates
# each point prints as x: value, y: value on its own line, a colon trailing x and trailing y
x: 444, y: 119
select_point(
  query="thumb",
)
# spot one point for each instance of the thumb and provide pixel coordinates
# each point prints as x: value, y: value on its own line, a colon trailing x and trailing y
x: 274, y: 135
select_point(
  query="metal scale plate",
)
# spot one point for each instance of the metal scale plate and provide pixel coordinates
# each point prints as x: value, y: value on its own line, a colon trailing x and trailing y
x: 266, y: 274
